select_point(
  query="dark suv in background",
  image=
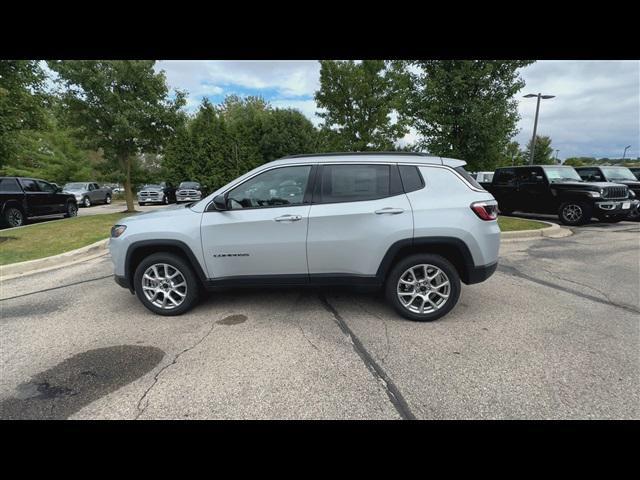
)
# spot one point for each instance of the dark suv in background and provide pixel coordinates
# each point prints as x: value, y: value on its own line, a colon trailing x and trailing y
x: 621, y: 175
x: 22, y: 198
x: 559, y: 190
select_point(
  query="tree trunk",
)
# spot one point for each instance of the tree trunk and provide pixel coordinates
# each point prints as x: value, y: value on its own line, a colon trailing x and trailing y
x: 128, y: 188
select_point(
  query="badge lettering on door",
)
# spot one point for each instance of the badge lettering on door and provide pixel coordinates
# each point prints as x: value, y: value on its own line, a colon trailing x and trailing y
x: 218, y: 255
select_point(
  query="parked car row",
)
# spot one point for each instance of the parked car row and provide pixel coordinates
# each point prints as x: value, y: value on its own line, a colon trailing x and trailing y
x: 165, y: 193
x: 575, y: 194
x: 88, y: 193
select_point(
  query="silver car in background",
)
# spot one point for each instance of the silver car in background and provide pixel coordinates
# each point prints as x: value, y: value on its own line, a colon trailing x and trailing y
x: 189, y: 192
x: 88, y: 193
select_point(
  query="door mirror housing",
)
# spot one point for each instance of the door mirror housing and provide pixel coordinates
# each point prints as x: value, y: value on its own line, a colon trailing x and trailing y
x: 220, y: 202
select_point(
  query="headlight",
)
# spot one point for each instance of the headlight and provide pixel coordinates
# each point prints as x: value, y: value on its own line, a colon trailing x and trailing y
x: 595, y: 194
x: 117, y: 230
x: 632, y: 194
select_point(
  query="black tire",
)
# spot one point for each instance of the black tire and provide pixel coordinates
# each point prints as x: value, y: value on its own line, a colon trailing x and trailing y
x: 71, y: 210
x: 142, y: 204
x: 574, y: 213
x: 165, y: 200
x: 86, y: 202
x: 193, y: 286
x: 420, y: 259
x: 634, y: 215
x: 107, y: 199
x: 13, y: 217
x: 613, y: 219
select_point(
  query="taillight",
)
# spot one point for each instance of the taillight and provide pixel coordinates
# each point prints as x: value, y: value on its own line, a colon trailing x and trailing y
x: 485, y: 211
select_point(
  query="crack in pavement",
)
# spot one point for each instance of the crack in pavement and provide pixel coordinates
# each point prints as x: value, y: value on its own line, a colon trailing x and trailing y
x: 173, y: 362
x: 395, y: 397
x: 509, y: 270
x: 56, y: 288
x: 386, y: 330
x: 559, y: 277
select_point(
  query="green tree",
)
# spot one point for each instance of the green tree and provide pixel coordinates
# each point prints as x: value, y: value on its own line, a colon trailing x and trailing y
x: 512, y: 155
x: 122, y: 107
x: 543, y: 154
x: 22, y: 103
x: 463, y: 108
x: 359, y: 101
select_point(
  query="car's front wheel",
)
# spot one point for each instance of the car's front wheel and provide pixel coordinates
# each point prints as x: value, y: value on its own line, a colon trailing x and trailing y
x: 166, y: 284
x: 107, y: 199
x: 574, y: 213
x: 86, y: 202
x: 423, y: 287
x: 71, y: 210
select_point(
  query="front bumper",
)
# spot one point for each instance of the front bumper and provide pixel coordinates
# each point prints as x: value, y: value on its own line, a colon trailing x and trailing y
x: 151, y: 200
x: 616, y: 207
x: 188, y: 198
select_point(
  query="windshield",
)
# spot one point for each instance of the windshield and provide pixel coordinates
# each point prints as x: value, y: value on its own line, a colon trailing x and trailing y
x: 189, y: 185
x: 617, y: 173
x: 75, y: 186
x: 562, y: 174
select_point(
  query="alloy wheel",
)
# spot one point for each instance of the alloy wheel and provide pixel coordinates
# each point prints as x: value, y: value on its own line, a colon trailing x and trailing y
x: 15, y: 217
x: 164, y: 286
x: 572, y: 212
x: 423, y: 289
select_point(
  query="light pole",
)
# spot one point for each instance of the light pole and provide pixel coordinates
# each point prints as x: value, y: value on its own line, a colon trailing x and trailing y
x: 557, y: 155
x: 535, y: 123
x: 625, y: 151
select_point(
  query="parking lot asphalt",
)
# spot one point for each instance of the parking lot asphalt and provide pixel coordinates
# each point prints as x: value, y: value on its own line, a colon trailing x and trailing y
x: 554, y: 334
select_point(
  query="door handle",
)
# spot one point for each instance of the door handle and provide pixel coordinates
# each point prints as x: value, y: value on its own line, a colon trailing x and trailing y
x: 288, y: 218
x: 389, y: 211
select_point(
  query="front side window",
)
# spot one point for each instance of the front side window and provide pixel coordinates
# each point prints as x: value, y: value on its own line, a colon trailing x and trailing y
x: 275, y: 188
x: 354, y: 183
x: 590, y: 174
x: 46, y: 187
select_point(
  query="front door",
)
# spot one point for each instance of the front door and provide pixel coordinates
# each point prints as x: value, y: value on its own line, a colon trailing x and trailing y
x: 534, y: 190
x: 264, y: 230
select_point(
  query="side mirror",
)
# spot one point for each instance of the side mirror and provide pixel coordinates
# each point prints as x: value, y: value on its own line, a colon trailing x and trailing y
x: 220, y: 202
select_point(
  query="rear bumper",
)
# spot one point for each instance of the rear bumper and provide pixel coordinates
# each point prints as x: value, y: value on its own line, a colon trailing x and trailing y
x: 479, y: 274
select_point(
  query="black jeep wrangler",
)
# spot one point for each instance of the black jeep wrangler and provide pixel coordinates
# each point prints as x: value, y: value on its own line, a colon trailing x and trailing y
x: 559, y: 190
x: 620, y: 175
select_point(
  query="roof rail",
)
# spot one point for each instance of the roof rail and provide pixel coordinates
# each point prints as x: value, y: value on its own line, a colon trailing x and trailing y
x: 334, y: 154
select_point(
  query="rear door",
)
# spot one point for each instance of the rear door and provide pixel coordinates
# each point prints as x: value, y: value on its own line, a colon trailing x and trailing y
x: 505, y: 188
x: 358, y: 212
x: 51, y: 202
x: 534, y: 190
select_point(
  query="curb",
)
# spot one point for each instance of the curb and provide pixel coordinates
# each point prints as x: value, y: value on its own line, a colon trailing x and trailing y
x: 552, y: 231
x: 21, y: 269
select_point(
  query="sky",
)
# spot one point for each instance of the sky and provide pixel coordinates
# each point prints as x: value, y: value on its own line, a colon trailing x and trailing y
x: 595, y: 112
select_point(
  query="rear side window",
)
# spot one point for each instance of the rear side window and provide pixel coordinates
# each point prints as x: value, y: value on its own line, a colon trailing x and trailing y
x: 505, y: 176
x: 9, y: 185
x: 411, y: 178
x: 468, y: 177
x: 29, y: 185
x: 354, y: 183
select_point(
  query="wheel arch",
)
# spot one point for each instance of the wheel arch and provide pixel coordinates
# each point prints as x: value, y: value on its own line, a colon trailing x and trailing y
x: 141, y: 249
x: 453, y: 249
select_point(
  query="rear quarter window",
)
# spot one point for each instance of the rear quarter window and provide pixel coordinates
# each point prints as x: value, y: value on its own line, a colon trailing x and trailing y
x: 468, y: 177
x: 411, y: 178
x: 9, y: 185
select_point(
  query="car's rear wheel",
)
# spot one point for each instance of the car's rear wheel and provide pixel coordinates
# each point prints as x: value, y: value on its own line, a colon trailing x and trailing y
x: 423, y: 287
x: 71, y: 210
x: 165, y: 200
x: 574, y: 213
x: 86, y: 202
x: 13, y: 217
x: 107, y: 199
x: 166, y: 284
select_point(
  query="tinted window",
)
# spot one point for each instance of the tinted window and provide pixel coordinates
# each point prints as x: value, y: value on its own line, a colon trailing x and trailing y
x: 411, y: 178
x: 354, y: 183
x: 590, y: 174
x: 530, y: 175
x: 468, y: 177
x: 29, y: 185
x: 9, y: 185
x: 505, y: 176
x: 46, y: 187
x: 278, y: 187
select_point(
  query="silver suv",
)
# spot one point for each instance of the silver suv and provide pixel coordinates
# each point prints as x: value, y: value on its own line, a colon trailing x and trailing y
x: 413, y: 224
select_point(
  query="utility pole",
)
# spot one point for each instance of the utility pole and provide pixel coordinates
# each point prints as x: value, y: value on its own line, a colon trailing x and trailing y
x: 535, y: 123
x: 625, y: 151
